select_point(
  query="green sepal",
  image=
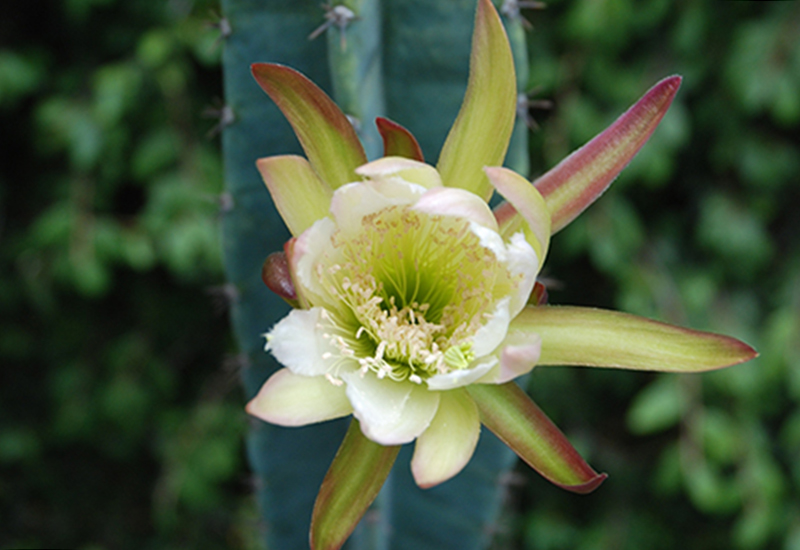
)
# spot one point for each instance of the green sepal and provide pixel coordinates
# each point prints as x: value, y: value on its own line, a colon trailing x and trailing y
x: 353, y: 481
x: 327, y: 136
x: 481, y: 133
x: 602, y: 338
x: 513, y: 417
x: 298, y: 193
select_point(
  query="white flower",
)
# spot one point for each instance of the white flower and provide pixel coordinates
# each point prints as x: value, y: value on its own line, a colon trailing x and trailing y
x: 408, y: 291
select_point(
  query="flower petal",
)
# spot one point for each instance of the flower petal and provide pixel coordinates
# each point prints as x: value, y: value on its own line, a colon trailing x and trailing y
x: 353, y: 202
x: 449, y: 201
x: 519, y: 423
x: 480, y: 135
x: 447, y: 445
x: 601, y: 338
x: 533, y: 218
x: 515, y: 361
x: 298, y: 343
x: 521, y: 262
x: 391, y: 413
x: 327, y: 137
x: 351, y: 484
x: 410, y: 170
x: 518, y: 258
x: 461, y: 377
x: 398, y: 141
x: 289, y: 399
x: 299, y: 195
x: 303, y: 254
x: 488, y: 337
x: 578, y: 180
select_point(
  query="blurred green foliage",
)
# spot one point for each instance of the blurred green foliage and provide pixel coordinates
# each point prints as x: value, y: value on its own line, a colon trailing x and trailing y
x: 120, y: 422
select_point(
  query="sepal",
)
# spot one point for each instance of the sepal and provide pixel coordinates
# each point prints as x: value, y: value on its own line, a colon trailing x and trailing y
x: 327, y: 137
x: 519, y: 423
x: 353, y: 481
x: 602, y: 338
x: 579, y: 180
x: 481, y: 133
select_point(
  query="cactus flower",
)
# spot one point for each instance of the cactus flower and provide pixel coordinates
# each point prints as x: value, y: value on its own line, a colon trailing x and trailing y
x: 416, y: 305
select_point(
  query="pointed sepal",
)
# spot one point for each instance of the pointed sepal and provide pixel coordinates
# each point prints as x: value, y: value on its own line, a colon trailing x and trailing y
x: 299, y: 195
x: 603, y: 338
x: 353, y: 481
x: 327, y: 137
x: 513, y: 417
x: 578, y: 180
x: 481, y: 133
x: 398, y: 141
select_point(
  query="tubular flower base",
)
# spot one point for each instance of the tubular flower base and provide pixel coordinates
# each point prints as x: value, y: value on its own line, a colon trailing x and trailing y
x: 417, y: 305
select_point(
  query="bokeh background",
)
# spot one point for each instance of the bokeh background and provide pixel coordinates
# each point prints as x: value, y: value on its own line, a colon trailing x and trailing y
x: 121, y: 416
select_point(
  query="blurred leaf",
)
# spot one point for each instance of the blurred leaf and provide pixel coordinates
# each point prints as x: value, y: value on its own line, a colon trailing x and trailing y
x: 723, y: 441
x: 116, y: 89
x: 154, y: 152
x: 20, y: 75
x: 68, y: 125
x: 659, y: 406
x: 735, y: 234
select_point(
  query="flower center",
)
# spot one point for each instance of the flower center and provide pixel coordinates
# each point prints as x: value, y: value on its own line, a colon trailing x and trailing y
x: 416, y: 287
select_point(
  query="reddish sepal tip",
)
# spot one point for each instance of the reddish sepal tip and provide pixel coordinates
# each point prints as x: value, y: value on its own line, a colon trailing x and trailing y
x: 585, y: 488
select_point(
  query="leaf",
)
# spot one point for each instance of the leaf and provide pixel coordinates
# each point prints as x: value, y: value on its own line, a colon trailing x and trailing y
x: 579, y: 180
x: 603, y: 338
x: 481, y: 133
x: 657, y: 407
x: 327, y: 137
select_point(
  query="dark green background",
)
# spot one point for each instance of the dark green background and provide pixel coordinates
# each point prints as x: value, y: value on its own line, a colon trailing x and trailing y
x: 121, y: 419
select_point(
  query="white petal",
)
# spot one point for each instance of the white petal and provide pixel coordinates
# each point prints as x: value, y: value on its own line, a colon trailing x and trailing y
x: 298, y: 343
x: 308, y: 248
x: 457, y: 378
x: 517, y: 256
x: 490, y: 239
x: 514, y: 361
x: 451, y: 201
x: 521, y: 260
x: 447, y: 445
x: 391, y: 413
x: 488, y: 337
x: 288, y: 399
x: 353, y: 201
x: 409, y: 170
